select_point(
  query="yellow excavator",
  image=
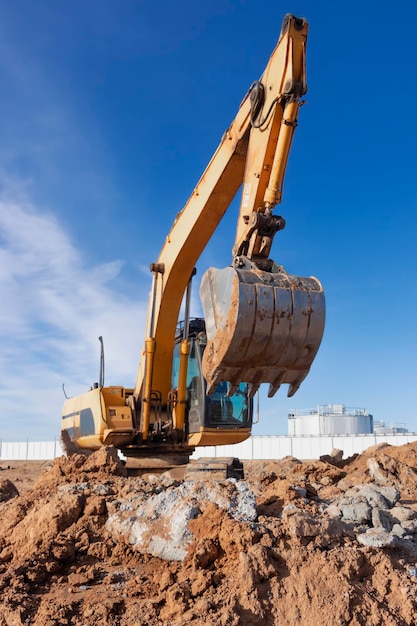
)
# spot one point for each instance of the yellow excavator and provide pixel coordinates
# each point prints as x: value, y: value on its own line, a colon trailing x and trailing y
x: 197, y: 378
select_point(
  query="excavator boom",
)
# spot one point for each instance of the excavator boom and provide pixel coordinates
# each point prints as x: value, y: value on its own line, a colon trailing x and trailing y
x: 263, y: 325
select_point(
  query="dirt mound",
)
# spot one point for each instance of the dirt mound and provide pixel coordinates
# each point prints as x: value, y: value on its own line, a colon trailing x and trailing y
x: 330, y: 541
x: 7, y: 489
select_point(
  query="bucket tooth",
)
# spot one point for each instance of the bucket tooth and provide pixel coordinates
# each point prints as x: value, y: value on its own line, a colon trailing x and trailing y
x: 294, y: 387
x: 273, y: 387
x: 252, y: 390
x: 211, y: 387
x: 216, y: 378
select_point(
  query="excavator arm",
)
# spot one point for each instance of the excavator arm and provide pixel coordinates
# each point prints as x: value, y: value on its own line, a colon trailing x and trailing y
x: 256, y: 303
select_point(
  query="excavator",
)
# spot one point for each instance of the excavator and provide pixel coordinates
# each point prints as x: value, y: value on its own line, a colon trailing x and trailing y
x: 197, y: 378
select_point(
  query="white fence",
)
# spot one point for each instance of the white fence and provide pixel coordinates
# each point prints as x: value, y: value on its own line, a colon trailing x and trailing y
x: 302, y: 447
x: 29, y: 450
x: 258, y: 447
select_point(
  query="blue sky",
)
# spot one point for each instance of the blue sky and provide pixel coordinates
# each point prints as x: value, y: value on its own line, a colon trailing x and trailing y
x: 110, y: 113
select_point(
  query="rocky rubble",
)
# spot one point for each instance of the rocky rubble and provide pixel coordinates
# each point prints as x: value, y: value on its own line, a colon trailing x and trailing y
x: 157, y: 524
x: 331, y: 541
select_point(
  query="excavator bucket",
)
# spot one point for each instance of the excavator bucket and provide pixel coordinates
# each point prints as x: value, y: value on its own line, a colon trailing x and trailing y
x: 261, y: 327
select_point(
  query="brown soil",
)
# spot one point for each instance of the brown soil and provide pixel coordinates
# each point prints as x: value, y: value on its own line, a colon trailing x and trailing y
x: 295, y: 566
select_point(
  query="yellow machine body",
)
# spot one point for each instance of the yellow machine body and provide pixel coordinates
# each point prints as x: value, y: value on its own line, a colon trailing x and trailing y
x: 99, y: 417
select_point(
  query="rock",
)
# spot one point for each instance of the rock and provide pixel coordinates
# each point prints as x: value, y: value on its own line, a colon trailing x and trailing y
x: 383, y: 497
x: 376, y: 538
x: 336, y: 454
x: 355, y: 510
x: 398, y: 530
x: 390, y: 493
x: 389, y: 464
x: 206, y: 553
x: 332, y: 529
x: 333, y: 511
x: 302, y: 524
x: 377, y: 496
x: 410, y: 526
x: 369, y: 503
x: 334, y: 458
x: 158, y: 524
x: 403, y: 513
x: 289, y: 509
x: 7, y: 490
x: 382, y: 519
x: 377, y: 473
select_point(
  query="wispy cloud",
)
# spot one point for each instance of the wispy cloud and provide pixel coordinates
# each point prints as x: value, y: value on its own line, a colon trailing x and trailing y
x: 53, y: 308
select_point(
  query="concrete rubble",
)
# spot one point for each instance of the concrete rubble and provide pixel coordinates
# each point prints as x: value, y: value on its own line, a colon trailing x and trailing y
x: 158, y: 524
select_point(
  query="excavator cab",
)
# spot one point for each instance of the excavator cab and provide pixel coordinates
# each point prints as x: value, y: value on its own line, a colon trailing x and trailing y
x: 206, y: 415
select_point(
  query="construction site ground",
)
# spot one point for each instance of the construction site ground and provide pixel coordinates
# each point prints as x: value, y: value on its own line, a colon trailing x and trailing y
x: 329, y: 542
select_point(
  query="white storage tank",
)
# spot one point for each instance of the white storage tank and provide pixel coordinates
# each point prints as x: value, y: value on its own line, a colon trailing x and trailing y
x: 330, y: 419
